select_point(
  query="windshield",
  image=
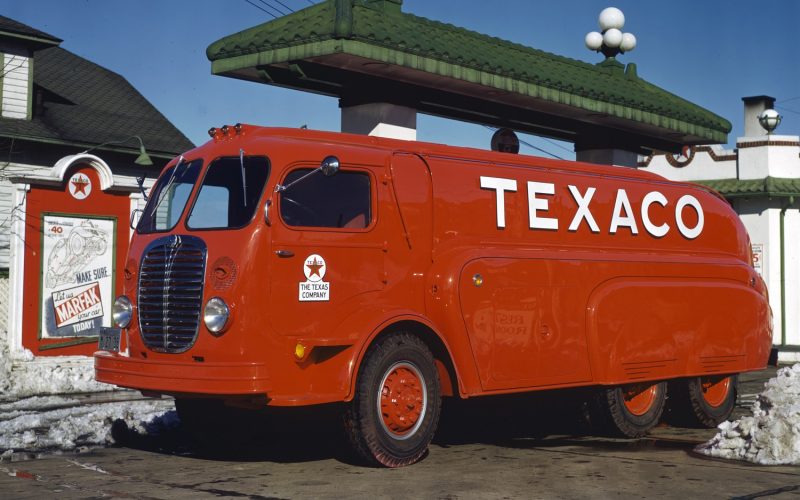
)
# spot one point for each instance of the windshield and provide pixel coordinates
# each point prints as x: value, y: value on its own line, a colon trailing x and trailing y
x: 169, y: 197
x: 230, y: 193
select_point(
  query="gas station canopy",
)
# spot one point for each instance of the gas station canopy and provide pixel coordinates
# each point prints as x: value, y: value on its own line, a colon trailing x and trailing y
x: 366, y: 51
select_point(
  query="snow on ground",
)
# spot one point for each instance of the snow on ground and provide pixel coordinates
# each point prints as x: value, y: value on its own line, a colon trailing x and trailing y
x: 20, y: 376
x: 771, y: 436
x: 40, y: 410
x: 62, y: 423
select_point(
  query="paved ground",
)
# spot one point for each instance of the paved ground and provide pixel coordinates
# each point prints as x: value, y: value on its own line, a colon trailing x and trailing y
x: 491, y: 449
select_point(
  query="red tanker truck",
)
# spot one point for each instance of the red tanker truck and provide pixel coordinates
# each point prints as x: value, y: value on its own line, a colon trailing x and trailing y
x: 282, y: 267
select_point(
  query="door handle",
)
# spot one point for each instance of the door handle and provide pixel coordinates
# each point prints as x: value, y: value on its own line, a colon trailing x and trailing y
x: 284, y: 253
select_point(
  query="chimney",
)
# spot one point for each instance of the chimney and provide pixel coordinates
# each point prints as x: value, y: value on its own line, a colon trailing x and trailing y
x: 753, y: 106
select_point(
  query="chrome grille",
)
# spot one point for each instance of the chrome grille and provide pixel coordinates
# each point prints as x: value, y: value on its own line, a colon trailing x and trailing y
x: 171, y: 292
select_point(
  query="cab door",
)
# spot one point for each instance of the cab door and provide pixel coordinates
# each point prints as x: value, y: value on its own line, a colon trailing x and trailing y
x: 327, y: 258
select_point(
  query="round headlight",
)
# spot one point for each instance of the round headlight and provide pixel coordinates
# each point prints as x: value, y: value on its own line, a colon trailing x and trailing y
x: 122, y: 311
x: 215, y: 315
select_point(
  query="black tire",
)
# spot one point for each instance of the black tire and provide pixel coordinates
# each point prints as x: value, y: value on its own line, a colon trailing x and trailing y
x: 702, y: 402
x: 614, y: 409
x: 398, y: 433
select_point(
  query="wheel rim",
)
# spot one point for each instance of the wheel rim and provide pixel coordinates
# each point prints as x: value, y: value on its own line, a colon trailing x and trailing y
x: 715, y: 389
x: 402, y: 400
x: 639, y: 398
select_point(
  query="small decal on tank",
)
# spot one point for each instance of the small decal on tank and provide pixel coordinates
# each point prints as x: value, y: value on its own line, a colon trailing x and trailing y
x: 314, y: 289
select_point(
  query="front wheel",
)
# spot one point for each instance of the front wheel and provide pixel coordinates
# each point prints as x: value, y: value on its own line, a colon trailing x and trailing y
x: 630, y: 410
x: 396, y: 408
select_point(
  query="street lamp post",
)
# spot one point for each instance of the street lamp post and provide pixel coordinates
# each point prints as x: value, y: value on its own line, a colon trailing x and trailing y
x: 143, y: 158
x: 610, y: 40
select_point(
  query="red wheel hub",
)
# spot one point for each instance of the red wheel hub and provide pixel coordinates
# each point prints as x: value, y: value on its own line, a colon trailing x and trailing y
x: 639, y: 398
x: 402, y: 400
x: 715, y: 389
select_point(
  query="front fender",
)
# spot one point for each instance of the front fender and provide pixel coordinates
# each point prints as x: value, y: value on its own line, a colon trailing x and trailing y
x: 383, y: 320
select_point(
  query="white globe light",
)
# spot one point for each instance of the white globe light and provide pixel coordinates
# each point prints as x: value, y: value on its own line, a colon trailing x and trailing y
x: 612, y: 38
x: 628, y: 42
x: 611, y: 18
x: 769, y: 119
x: 594, y: 40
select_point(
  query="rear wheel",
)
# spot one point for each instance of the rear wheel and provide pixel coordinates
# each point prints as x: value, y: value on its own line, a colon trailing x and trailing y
x: 703, y: 401
x: 395, y: 412
x: 630, y: 410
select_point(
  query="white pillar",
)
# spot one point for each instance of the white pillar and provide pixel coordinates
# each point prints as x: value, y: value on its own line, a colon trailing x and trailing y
x: 380, y: 119
x: 16, y: 271
x: 608, y: 156
x: 769, y: 156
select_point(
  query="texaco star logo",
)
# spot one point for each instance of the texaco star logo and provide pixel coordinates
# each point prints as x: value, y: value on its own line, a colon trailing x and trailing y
x: 80, y: 186
x: 314, y: 289
x: 314, y: 268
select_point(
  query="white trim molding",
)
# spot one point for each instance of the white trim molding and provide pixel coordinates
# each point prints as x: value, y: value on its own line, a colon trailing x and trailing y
x: 16, y: 270
x: 55, y: 175
x: 59, y: 170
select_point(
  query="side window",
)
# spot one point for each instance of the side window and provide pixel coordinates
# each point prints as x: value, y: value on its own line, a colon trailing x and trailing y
x: 343, y: 200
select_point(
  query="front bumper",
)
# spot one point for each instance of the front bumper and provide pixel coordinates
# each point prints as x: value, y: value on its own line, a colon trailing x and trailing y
x: 178, y: 377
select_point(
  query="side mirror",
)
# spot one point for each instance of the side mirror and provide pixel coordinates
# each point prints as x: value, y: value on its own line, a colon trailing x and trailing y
x: 329, y: 166
x: 136, y: 216
x: 140, y: 182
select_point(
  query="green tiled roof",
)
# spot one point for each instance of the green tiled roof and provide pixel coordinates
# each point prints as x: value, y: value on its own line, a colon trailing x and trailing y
x: 769, y: 186
x: 379, y: 31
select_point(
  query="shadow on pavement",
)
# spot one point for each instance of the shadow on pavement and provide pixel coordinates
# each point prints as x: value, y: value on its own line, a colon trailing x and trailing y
x: 537, y: 420
x: 280, y: 435
x: 496, y: 419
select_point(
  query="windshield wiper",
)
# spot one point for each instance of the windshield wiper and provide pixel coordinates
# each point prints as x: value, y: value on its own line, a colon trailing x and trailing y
x: 244, y: 180
x: 163, y: 193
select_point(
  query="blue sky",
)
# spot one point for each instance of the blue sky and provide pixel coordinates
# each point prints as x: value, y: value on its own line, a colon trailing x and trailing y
x: 711, y: 52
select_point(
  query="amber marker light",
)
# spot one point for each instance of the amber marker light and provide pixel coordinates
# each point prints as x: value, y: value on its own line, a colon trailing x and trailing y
x: 299, y: 351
